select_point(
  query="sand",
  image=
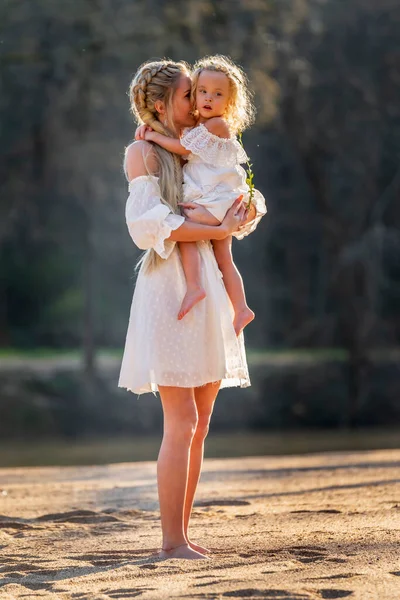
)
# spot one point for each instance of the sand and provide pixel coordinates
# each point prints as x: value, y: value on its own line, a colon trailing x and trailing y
x: 290, y: 527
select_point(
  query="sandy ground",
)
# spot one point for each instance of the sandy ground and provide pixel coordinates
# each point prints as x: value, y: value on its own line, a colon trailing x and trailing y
x: 290, y: 527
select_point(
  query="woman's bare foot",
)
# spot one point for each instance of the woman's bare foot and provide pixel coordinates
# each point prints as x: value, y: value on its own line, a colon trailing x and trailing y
x: 182, y: 551
x: 198, y: 548
x: 242, y: 318
x: 192, y: 297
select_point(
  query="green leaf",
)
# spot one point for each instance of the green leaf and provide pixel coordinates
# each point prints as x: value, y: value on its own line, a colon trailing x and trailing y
x: 250, y: 174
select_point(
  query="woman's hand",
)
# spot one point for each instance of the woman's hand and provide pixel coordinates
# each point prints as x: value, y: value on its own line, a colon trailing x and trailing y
x: 141, y: 131
x: 198, y: 214
x: 235, y: 218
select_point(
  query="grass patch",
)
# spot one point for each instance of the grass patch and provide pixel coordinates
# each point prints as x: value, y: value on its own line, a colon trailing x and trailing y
x: 316, y: 354
x: 136, y: 448
x: 255, y: 356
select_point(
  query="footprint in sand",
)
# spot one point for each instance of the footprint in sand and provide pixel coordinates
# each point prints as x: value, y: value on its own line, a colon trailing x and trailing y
x: 338, y: 576
x: 11, y: 523
x: 327, y: 510
x: 305, y: 554
x: 25, y: 568
x: 302, y: 553
x: 332, y: 594
x: 127, y: 592
x: 273, y: 593
x: 284, y: 594
x: 36, y: 586
x: 309, y: 554
x: 216, y: 581
x: 78, y: 516
x: 118, y: 593
x: 110, y: 557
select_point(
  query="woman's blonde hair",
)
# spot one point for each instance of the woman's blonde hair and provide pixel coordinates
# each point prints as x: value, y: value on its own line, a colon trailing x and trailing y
x: 157, y: 80
x: 240, y: 110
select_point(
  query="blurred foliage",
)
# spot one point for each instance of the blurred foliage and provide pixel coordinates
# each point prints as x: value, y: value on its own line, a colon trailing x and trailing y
x: 323, y: 268
x: 313, y: 395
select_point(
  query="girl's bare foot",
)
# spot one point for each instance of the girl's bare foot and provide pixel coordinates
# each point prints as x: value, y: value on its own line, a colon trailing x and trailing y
x: 192, y: 297
x: 198, y: 548
x: 242, y: 318
x: 182, y: 551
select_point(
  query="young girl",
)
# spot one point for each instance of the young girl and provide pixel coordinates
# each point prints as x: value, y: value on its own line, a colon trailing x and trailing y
x: 213, y: 176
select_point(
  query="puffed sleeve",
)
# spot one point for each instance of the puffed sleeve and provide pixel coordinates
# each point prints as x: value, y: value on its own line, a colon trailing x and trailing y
x: 149, y: 221
x: 258, y: 201
x: 221, y: 152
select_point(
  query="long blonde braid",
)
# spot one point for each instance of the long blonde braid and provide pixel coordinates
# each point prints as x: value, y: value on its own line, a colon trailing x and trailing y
x: 154, y: 81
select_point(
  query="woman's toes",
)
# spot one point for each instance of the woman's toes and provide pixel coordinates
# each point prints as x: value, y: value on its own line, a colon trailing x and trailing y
x: 199, y: 548
x: 183, y: 552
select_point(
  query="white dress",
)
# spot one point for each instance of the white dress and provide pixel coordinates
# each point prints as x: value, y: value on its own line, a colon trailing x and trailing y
x: 159, y: 349
x: 213, y: 176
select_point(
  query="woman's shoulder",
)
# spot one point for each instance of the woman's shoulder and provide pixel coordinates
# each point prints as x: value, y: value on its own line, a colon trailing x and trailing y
x: 140, y: 159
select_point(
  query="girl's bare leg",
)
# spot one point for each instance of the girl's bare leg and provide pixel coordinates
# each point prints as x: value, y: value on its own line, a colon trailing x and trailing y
x: 233, y: 283
x: 180, y: 423
x: 204, y: 397
x: 191, y: 266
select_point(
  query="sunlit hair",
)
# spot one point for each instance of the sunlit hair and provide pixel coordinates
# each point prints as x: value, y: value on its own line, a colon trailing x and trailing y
x: 157, y: 80
x: 240, y: 110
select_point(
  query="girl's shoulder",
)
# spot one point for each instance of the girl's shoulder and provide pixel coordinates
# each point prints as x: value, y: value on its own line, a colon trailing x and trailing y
x: 218, y: 126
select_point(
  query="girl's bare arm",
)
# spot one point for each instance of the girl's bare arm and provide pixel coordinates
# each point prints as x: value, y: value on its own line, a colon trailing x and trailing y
x: 170, y: 144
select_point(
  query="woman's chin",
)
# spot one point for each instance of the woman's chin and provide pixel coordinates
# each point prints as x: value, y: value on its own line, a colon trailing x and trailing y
x: 191, y: 120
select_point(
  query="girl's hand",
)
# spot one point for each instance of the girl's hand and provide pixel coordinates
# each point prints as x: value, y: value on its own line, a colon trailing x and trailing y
x: 140, y: 132
x: 197, y: 213
x: 235, y: 217
x: 150, y: 135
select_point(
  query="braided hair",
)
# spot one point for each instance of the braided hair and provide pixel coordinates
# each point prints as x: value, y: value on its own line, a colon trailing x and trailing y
x: 156, y: 80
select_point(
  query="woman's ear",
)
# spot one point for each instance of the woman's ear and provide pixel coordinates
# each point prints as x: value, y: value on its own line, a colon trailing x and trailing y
x: 160, y: 107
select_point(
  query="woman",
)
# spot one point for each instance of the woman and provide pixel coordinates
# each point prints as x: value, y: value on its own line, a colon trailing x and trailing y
x: 186, y: 361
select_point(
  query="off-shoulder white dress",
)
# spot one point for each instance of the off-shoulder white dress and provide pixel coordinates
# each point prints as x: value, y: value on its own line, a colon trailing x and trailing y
x: 159, y: 349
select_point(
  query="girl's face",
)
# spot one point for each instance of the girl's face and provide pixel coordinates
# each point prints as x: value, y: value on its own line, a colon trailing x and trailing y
x: 181, y: 104
x: 212, y: 94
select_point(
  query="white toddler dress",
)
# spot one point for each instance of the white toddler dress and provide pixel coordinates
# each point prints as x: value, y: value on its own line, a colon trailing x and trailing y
x: 213, y: 176
x: 159, y: 349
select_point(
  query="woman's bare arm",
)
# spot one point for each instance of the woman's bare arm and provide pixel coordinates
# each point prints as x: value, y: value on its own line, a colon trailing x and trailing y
x: 136, y: 155
x: 194, y: 232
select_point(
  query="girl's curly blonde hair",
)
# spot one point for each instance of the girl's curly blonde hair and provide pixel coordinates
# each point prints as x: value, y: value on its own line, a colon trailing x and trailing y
x: 240, y: 111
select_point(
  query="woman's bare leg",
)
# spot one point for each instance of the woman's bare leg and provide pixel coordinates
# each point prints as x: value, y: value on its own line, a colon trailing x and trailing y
x: 180, y: 422
x: 204, y: 397
x: 233, y: 283
x: 191, y: 267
